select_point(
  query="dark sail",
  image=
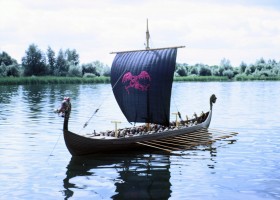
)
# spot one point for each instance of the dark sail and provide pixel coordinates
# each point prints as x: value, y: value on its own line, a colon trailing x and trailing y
x: 142, y: 82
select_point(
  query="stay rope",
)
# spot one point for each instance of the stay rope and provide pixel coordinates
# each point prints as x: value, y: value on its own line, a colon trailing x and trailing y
x: 102, y: 102
x: 53, y: 147
x: 179, y: 114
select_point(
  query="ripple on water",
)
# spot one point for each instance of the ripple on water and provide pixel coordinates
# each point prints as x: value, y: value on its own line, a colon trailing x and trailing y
x: 246, y: 167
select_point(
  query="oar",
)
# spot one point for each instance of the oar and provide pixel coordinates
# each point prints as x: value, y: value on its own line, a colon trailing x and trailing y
x: 153, y: 143
x: 170, y: 142
x: 222, y: 137
x: 222, y: 131
x: 188, y: 143
x: 191, y: 138
x: 154, y: 146
x: 186, y: 139
x: 194, y: 133
x: 181, y: 147
x: 197, y: 131
x: 182, y: 143
x: 197, y: 135
x: 193, y: 144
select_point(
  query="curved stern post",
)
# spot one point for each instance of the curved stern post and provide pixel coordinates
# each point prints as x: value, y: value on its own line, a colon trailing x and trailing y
x: 213, y: 99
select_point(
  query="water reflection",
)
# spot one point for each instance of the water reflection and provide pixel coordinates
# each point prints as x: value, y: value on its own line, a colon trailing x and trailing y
x: 249, y: 169
x: 37, y: 97
x: 8, y: 94
x: 138, y: 176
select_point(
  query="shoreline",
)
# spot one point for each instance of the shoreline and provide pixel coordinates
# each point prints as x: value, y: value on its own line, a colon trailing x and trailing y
x: 35, y: 80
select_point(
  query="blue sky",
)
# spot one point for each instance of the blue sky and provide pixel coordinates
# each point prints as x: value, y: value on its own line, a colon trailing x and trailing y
x: 211, y: 30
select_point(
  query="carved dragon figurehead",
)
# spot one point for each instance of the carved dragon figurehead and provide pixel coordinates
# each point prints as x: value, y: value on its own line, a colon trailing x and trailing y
x: 65, y: 111
x: 213, y: 99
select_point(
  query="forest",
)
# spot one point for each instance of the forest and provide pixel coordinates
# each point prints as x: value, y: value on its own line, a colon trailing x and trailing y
x: 66, y: 63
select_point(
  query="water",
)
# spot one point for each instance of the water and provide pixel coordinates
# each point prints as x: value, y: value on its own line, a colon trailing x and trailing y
x: 35, y: 164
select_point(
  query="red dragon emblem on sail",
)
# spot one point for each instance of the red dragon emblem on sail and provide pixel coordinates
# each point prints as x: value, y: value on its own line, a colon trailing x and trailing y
x: 134, y: 81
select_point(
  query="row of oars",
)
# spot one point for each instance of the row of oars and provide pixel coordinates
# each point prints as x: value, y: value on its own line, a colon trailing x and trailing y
x: 188, y: 140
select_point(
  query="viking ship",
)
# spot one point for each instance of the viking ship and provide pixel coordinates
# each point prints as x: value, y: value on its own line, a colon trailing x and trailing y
x: 141, y: 82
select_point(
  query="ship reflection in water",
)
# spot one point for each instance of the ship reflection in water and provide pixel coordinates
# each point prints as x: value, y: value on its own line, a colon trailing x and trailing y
x: 139, y: 176
x: 133, y: 175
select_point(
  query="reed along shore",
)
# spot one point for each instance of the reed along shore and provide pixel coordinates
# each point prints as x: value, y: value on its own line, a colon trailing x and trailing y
x: 33, y: 80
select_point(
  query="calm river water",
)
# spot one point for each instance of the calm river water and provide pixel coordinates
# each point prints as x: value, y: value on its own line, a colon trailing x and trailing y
x: 35, y: 164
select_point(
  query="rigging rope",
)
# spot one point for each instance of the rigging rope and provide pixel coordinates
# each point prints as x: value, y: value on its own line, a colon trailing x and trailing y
x: 54, y: 147
x: 179, y: 114
x: 86, y: 123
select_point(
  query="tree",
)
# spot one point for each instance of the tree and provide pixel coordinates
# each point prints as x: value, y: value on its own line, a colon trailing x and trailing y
x: 225, y: 68
x: 276, y: 69
x: 72, y: 56
x: 3, y: 70
x: 62, y: 66
x: 6, y: 59
x: 13, y: 70
x: 260, y: 64
x: 107, y: 71
x: 182, y: 69
x: 250, y: 69
x: 88, y: 68
x: 229, y: 73
x: 204, y: 70
x: 242, y: 67
x: 236, y: 71
x: 272, y: 63
x: 51, y: 60
x: 99, y: 66
x: 96, y: 67
x: 192, y: 70
x: 215, y: 70
x: 225, y: 63
x: 74, y: 71
x: 34, y: 62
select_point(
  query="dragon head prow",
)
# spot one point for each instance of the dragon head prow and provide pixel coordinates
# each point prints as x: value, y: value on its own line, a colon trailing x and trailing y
x: 213, y: 99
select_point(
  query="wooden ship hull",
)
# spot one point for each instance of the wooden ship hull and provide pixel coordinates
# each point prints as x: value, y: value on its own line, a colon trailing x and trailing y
x: 84, y: 145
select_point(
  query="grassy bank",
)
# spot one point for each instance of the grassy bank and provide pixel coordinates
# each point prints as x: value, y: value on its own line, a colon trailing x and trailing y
x: 201, y: 78
x: 51, y: 80
x: 256, y: 78
x: 79, y: 80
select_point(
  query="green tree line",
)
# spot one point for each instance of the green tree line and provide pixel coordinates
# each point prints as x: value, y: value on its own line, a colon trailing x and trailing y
x: 260, y: 69
x: 66, y: 63
x: 39, y: 63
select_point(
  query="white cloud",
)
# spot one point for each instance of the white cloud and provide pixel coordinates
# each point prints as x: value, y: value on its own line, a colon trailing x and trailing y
x: 210, y: 31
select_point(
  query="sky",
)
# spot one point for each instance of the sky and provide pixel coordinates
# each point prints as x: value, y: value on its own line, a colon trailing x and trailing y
x: 240, y: 30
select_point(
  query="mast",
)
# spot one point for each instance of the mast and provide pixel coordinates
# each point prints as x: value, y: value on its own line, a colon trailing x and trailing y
x: 147, y: 37
x: 147, y: 48
x: 147, y: 44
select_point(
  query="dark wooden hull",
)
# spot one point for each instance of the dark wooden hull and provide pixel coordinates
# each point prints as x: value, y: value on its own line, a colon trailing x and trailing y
x: 79, y: 145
